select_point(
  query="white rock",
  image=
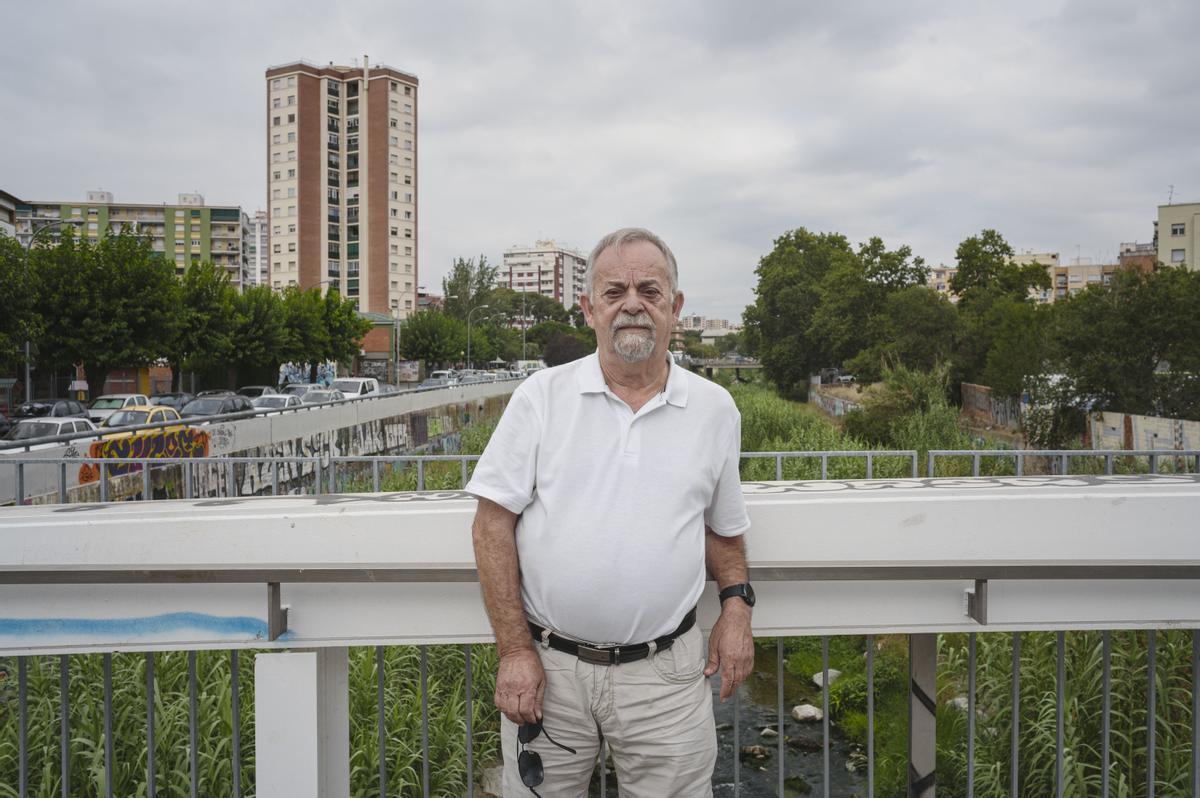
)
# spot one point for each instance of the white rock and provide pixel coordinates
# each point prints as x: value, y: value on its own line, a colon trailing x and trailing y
x: 491, y: 783
x: 818, y: 677
x: 807, y: 713
x: 769, y: 732
x: 959, y: 702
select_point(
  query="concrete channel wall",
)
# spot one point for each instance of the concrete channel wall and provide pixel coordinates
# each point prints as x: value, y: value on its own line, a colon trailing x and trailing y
x: 426, y: 422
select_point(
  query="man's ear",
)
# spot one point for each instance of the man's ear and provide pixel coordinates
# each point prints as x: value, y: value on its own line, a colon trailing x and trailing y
x: 678, y: 306
x: 585, y: 304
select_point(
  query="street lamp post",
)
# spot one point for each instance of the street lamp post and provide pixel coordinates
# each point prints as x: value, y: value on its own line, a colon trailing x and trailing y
x: 471, y: 313
x: 33, y: 231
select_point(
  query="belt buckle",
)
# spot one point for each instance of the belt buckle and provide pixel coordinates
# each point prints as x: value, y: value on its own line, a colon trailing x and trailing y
x: 597, y: 655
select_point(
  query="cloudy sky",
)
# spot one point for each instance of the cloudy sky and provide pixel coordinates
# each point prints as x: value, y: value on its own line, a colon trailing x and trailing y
x: 720, y: 125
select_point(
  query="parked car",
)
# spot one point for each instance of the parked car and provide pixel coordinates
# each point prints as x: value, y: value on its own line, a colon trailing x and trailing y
x: 322, y: 395
x: 216, y: 392
x: 175, y: 399
x: 32, y: 428
x: 386, y: 388
x: 104, y: 406
x: 216, y: 405
x: 300, y: 388
x: 275, y: 401
x: 449, y: 375
x: 357, y: 387
x: 254, y: 391
x: 435, y: 382
x: 140, y: 414
x: 55, y: 408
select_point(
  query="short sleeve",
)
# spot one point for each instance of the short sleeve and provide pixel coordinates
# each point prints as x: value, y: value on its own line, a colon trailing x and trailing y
x: 506, y: 472
x: 726, y: 513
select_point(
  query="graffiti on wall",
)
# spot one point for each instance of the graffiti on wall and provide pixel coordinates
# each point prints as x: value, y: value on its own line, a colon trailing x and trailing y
x: 981, y: 409
x: 186, y: 442
x: 833, y: 405
x: 1127, y: 431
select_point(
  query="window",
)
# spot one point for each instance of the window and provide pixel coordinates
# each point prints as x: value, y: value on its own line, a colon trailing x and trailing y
x: 395, y: 231
x: 392, y: 140
x: 408, y: 214
x: 291, y: 210
x: 291, y: 173
x: 408, y: 232
x: 408, y: 197
x: 276, y: 157
x: 275, y: 175
x: 393, y: 122
x: 291, y: 155
x: 1177, y: 255
x: 276, y: 103
x: 275, y: 121
x: 275, y: 230
x: 408, y: 144
x: 291, y: 80
x: 277, y: 211
x: 291, y: 192
x: 393, y: 212
x: 1178, y: 229
x: 394, y: 177
x: 276, y: 194
x: 195, y: 242
x: 408, y: 91
x: 276, y: 249
x: 395, y: 249
x: 291, y: 246
x: 291, y: 228
x: 408, y: 108
x: 291, y: 265
x: 395, y: 86
x: 396, y: 195
x: 291, y: 118
x: 408, y: 180
x: 291, y: 99
x: 291, y: 137
x: 277, y: 83
x: 276, y: 139
x: 408, y: 250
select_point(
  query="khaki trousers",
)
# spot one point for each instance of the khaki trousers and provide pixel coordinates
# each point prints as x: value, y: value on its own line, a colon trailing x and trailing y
x: 656, y: 715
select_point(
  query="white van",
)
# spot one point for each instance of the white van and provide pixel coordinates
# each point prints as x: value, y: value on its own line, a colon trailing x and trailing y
x: 357, y: 387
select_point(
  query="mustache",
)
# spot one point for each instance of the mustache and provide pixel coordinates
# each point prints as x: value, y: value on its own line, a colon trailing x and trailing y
x: 640, y: 320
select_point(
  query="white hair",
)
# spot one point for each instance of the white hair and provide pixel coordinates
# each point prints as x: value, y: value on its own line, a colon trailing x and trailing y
x: 618, y: 239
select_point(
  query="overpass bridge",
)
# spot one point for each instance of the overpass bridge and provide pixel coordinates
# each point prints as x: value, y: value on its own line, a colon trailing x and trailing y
x: 300, y: 580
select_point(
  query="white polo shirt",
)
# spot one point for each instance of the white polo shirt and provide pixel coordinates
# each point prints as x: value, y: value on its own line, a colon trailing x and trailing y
x: 613, y: 504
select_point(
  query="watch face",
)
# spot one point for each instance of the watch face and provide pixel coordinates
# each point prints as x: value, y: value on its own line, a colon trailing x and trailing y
x: 744, y: 591
x: 749, y: 596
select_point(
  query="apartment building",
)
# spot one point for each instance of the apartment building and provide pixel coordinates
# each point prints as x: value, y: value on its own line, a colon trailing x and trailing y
x: 258, y: 248
x: 1134, y: 255
x: 547, y: 268
x: 342, y: 185
x: 185, y: 232
x: 8, y: 213
x: 1178, y: 235
x: 939, y: 280
x: 1078, y: 275
x: 691, y: 321
x: 1051, y: 260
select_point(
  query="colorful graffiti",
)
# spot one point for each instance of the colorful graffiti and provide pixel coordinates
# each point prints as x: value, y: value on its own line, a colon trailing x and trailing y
x: 186, y: 442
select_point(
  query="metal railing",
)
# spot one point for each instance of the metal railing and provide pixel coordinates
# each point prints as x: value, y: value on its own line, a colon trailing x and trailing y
x: 1060, y: 460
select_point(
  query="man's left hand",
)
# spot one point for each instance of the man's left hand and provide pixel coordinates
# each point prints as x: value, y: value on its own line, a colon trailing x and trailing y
x: 731, y: 647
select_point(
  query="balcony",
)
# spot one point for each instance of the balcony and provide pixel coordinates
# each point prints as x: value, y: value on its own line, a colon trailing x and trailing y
x: 887, y: 557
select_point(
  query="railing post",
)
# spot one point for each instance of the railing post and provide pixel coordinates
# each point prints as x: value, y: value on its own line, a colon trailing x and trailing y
x: 922, y: 715
x: 302, y: 724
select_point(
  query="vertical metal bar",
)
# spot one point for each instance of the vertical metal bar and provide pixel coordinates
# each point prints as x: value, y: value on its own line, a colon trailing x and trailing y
x: 1065, y: 466
x: 470, y: 717
x: 193, y: 725
x: 236, y: 717
x: 1060, y: 680
x: 871, y: 706
x: 1108, y: 464
x: 187, y: 480
x: 425, y: 721
x: 1153, y: 464
x: 870, y: 466
x: 824, y: 466
x: 375, y: 476
x: 146, y: 482
x: 317, y: 476
x: 929, y: 469
x: 420, y: 475
x: 824, y: 713
x: 64, y: 727
x: 1151, y: 708
x: 274, y: 477
x: 1106, y: 722
x: 971, y: 715
x: 1013, y: 775
x: 1195, y: 713
x: 1020, y: 465
x: 737, y: 744
x: 231, y: 486
x: 103, y: 481
x: 22, y: 726
x: 779, y: 699
x: 975, y: 465
x: 62, y: 482
x: 332, y: 475
x: 150, y: 761
x: 916, y: 470
x: 20, y: 484
x: 380, y: 720
x: 108, y: 728
x: 778, y: 468
x: 463, y: 463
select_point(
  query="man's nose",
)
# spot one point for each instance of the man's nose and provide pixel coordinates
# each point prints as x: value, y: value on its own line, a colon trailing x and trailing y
x: 631, y: 303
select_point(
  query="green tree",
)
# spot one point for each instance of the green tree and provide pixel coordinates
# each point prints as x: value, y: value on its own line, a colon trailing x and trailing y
x: 915, y: 328
x: 206, y: 321
x: 114, y: 303
x: 1022, y: 347
x: 434, y: 337
x: 19, y: 322
x: 985, y: 264
x: 536, y: 307
x: 308, y: 335
x: 564, y: 347
x: 260, y: 328
x: 469, y: 285
x: 344, y: 327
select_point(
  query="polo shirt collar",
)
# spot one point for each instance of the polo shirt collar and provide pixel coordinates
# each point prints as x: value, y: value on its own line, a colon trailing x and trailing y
x: 590, y: 379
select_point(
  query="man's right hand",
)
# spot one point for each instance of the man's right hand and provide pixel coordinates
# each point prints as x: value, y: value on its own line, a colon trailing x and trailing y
x: 520, y: 685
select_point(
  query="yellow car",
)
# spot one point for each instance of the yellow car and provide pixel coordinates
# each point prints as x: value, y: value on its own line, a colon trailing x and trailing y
x: 141, y: 414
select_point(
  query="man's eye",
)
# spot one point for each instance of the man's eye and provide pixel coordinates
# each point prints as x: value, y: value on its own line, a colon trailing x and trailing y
x: 612, y: 293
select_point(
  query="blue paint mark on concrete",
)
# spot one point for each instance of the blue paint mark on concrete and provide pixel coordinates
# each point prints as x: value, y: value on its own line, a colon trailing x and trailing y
x: 126, y: 628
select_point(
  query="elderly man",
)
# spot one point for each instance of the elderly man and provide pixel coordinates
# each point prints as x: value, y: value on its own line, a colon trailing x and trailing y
x: 608, y: 487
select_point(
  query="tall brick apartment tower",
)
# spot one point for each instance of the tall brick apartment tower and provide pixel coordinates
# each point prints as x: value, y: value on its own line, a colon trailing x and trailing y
x: 342, y: 185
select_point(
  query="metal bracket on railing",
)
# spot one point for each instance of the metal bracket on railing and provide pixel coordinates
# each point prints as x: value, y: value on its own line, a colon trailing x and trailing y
x: 277, y: 614
x: 976, y: 602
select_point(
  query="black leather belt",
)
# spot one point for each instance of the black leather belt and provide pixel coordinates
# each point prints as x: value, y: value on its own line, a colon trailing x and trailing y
x: 612, y: 655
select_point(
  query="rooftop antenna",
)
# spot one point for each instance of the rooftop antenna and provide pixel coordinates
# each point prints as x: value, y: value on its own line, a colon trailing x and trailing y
x: 1170, y: 193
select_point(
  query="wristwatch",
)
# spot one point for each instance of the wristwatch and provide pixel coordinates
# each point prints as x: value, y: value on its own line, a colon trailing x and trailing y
x: 743, y: 590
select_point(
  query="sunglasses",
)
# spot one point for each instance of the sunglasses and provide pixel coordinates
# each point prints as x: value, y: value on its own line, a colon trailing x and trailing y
x: 529, y: 763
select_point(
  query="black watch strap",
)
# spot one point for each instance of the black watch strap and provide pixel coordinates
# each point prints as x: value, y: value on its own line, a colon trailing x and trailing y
x: 742, y: 590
